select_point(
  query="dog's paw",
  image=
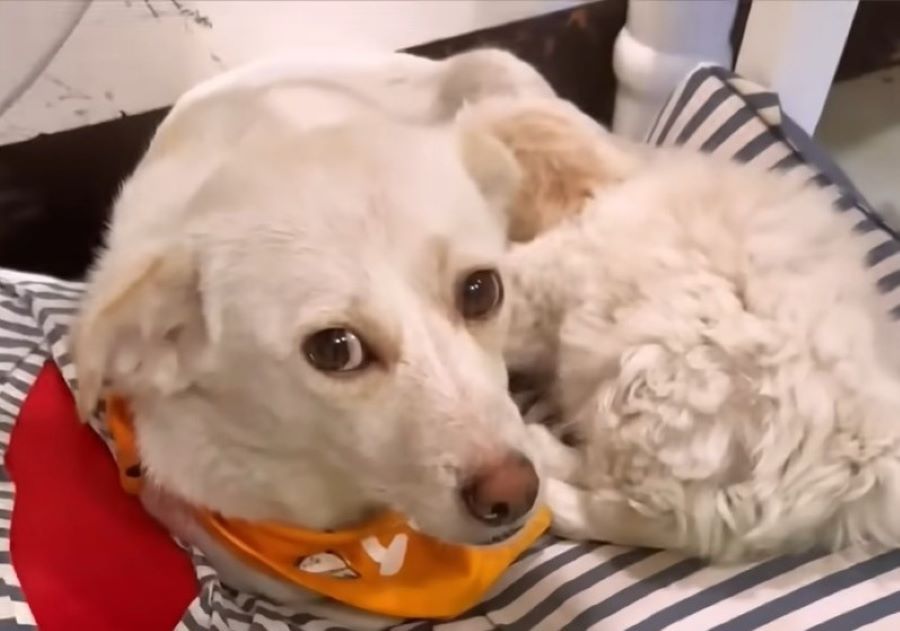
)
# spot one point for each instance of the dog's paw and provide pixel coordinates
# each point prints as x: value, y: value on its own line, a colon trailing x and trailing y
x: 607, y: 515
x: 536, y: 409
x: 557, y: 459
x: 533, y: 401
x: 568, y: 506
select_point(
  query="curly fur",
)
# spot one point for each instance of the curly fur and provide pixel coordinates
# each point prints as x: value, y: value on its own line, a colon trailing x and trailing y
x: 712, y: 336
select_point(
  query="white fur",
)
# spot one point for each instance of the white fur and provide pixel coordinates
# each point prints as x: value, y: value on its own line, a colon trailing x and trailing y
x: 279, y: 201
x: 712, y: 335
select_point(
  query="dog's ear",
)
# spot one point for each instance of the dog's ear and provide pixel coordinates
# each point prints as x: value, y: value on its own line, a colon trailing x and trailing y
x: 563, y: 157
x: 140, y: 327
x: 492, y: 165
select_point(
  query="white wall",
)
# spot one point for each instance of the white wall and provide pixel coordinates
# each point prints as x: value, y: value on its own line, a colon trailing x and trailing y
x: 794, y: 48
x: 135, y: 55
x: 30, y: 35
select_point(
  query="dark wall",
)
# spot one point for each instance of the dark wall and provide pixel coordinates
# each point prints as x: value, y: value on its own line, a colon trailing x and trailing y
x: 56, y: 191
x: 874, y: 39
x: 572, y: 49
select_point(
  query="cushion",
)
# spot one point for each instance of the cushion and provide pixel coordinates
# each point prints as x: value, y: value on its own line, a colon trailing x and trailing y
x: 716, y: 111
x: 556, y: 585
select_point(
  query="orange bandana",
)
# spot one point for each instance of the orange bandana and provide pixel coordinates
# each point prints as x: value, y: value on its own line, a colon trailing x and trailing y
x: 384, y: 566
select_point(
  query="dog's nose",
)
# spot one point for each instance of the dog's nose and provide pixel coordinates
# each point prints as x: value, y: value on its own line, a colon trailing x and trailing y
x: 503, y: 492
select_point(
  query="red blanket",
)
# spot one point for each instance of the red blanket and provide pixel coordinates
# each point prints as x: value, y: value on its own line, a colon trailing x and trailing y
x: 87, y: 555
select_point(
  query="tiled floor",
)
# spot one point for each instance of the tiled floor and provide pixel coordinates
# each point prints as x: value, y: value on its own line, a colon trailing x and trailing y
x: 861, y: 126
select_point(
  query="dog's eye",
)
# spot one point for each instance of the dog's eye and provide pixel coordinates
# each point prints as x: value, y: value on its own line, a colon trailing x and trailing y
x: 480, y: 294
x: 336, y: 350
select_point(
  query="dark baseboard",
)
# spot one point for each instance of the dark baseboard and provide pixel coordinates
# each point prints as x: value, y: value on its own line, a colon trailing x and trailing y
x: 874, y: 40
x: 56, y: 190
x: 572, y: 49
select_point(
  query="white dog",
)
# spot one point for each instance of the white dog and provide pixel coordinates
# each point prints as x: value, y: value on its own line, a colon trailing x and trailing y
x: 300, y: 305
x: 708, y: 332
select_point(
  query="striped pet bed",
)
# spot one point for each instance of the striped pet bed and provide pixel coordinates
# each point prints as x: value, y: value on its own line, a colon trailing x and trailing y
x: 557, y: 585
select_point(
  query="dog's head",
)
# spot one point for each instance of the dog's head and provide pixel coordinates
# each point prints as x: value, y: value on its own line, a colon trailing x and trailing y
x: 309, y: 325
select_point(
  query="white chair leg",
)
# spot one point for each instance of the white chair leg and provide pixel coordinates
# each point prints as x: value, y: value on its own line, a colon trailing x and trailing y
x: 661, y: 42
x: 793, y: 47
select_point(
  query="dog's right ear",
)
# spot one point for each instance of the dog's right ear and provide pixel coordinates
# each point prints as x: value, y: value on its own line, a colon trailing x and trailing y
x: 563, y: 157
x: 140, y: 327
x: 493, y: 167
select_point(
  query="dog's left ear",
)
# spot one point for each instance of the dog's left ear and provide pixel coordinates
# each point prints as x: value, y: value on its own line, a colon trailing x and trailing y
x: 141, y: 326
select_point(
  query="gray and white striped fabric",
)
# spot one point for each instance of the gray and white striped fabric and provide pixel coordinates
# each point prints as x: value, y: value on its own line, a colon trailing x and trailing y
x: 34, y: 319
x: 557, y: 585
